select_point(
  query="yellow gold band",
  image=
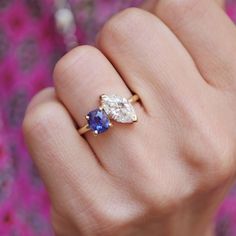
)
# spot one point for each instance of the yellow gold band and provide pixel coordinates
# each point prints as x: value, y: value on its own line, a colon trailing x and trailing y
x: 86, y: 127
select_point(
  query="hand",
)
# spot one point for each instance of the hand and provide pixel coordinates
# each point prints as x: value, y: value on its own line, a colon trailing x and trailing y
x: 166, y: 174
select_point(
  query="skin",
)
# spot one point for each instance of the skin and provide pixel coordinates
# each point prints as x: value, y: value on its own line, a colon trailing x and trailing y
x: 167, y: 174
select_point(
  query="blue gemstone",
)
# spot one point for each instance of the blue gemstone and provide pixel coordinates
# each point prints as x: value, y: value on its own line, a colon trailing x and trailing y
x: 98, y: 121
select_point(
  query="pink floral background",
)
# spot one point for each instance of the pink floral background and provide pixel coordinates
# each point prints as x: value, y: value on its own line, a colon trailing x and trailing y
x: 29, y: 48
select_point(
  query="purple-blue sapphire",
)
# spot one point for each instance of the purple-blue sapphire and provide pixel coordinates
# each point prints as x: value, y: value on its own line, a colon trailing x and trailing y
x: 98, y: 121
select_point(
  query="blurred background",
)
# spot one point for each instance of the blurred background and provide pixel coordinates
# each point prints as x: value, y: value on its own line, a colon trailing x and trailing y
x: 34, y: 34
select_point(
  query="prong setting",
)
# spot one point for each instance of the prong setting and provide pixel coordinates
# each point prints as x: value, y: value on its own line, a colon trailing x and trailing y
x: 103, y: 96
x: 135, y: 119
x: 98, y: 121
x: 112, y: 107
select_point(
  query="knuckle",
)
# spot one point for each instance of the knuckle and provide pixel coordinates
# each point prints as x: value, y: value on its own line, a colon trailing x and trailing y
x: 225, y: 164
x: 105, y: 221
x: 220, y: 166
x: 77, y: 57
x: 163, y: 197
x: 39, y: 97
x: 164, y: 205
x: 175, y: 11
x: 167, y: 199
x: 39, y: 121
x: 105, y: 225
x: 29, y: 119
x: 109, y: 218
x: 120, y: 26
x: 179, y: 6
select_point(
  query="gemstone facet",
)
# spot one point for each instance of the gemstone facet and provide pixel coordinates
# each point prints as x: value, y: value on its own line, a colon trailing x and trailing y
x: 118, y: 108
x: 98, y: 121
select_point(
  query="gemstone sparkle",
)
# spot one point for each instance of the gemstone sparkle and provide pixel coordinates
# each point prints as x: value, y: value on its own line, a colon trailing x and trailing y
x: 98, y: 121
x: 118, y: 108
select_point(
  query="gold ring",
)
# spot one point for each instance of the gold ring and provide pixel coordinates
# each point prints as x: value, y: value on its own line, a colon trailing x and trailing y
x: 113, y: 107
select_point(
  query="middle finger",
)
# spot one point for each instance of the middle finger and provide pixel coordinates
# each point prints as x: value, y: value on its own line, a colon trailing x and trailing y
x: 149, y: 57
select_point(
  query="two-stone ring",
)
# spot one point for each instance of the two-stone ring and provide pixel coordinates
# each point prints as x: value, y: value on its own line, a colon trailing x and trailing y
x: 113, y: 107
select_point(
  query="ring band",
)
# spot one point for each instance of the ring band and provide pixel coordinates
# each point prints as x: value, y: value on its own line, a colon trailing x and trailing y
x: 113, y: 107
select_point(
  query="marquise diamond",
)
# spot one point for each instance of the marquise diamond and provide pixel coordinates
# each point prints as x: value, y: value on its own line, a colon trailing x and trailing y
x: 118, y: 108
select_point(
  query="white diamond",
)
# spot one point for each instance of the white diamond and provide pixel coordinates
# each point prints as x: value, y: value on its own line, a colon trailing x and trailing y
x: 118, y: 108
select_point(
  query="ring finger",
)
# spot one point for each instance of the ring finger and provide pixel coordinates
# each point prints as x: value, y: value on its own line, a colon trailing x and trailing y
x: 80, y: 78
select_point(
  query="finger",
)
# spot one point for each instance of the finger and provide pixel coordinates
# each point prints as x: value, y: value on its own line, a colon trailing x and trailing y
x: 64, y: 159
x: 221, y: 3
x: 149, y: 5
x: 80, y: 78
x: 149, y: 58
x: 208, y: 35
